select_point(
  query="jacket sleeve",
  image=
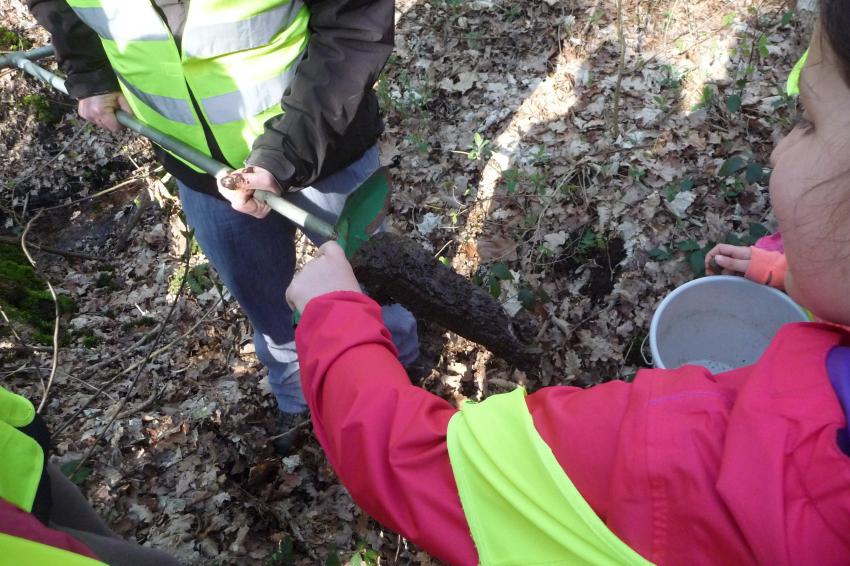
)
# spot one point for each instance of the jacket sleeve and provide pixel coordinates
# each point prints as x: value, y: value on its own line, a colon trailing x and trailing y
x: 385, y: 438
x: 78, y: 49
x: 330, y: 111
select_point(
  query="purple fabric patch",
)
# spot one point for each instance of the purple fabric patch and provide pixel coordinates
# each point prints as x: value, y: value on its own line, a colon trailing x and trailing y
x: 772, y: 243
x: 838, y: 368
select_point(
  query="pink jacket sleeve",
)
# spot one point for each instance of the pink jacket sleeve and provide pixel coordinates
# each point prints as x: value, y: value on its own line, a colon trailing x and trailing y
x: 386, y: 439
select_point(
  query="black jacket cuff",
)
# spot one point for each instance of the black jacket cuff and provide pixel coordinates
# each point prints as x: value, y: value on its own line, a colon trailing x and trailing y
x: 276, y: 164
x: 91, y: 83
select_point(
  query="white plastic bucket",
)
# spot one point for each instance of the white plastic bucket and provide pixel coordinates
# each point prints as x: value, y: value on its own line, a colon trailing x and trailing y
x: 720, y: 322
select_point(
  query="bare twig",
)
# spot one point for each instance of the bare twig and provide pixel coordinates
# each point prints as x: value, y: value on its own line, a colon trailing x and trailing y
x: 123, y: 353
x: 615, y: 113
x: 124, y: 236
x: 118, y: 410
x: 24, y: 346
x: 111, y: 189
x: 130, y: 368
x: 55, y: 361
x: 14, y: 182
x: 65, y: 253
x: 302, y: 424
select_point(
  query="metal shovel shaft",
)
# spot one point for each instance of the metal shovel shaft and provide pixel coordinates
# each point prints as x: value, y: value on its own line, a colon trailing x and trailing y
x: 24, y: 61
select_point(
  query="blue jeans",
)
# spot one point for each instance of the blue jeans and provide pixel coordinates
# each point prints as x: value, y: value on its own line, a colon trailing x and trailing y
x: 256, y: 260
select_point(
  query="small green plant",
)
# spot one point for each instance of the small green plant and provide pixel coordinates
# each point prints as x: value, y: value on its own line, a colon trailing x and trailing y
x: 530, y: 298
x: 419, y: 143
x: 706, y: 98
x: 106, y: 280
x: 90, y: 341
x: 689, y: 249
x: 480, y: 148
x: 539, y: 156
x: 738, y: 172
x: 589, y: 243
x: 674, y: 189
x: 198, y: 280
x: 40, y: 105
x: 491, y: 278
x: 694, y: 253
x: 284, y: 554
x: 25, y: 298
x: 670, y: 88
x: 397, y: 90
x: 510, y: 179
x: 137, y: 322
x: 13, y: 41
x: 80, y: 476
x: 364, y: 556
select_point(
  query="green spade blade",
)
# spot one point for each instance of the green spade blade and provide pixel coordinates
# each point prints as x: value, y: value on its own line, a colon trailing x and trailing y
x: 364, y: 211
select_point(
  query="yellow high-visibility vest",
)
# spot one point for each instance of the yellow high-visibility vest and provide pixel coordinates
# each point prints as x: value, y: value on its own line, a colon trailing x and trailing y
x: 521, y: 506
x: 236, y: 59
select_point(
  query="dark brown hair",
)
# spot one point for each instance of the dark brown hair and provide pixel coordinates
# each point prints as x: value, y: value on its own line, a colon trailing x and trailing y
x: 835, y: 19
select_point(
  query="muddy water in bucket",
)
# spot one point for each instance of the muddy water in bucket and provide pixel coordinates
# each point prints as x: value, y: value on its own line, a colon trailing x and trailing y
x: 720, y: 323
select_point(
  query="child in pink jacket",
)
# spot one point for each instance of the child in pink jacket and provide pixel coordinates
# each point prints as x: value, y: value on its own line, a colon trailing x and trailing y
x: 751, y: 466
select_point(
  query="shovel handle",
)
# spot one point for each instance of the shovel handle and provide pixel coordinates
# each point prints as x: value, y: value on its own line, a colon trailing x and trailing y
x: 310, y: 222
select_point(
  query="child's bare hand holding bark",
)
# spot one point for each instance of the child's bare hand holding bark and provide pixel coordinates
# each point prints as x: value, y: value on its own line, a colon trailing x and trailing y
x: 327, y: 272
x: 727, y: 259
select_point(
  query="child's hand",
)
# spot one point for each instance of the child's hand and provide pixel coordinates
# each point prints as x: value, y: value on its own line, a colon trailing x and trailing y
x: 728, y: 260
x: 327, y: 272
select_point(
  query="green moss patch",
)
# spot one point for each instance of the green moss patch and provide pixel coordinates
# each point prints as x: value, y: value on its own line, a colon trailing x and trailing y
x: 25, y: 297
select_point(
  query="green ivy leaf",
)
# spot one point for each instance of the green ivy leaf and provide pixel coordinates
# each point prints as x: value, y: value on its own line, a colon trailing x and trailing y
x: 80, y: 477
x: 731, y: 166
x: 754, y: 173
x: 661, y: 254
x: 733, y: 103
x: 527, y: 298
x: 688, y: 246
x: 697, y: 262
x: 733, y: 239
x: 758, y: 230
x: 495, y: 288
x: 500, y: 271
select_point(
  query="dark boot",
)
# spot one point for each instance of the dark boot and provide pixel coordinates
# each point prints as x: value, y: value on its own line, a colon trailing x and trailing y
x: 290, y: 427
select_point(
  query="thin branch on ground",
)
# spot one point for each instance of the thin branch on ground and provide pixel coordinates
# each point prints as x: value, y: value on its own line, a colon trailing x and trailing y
x: 123, y: 353
x: 14, y: 182
x: 24, y: 346
x: 65, y: 253
x: 124, y: 237
x: 121, y: 185
x: 55, y: 361
x: 130, y: 368
x: 621, y: 39
x: 118, y: 410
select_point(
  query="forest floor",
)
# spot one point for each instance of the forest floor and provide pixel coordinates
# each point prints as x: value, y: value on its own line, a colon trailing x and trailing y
x: 576, y: 166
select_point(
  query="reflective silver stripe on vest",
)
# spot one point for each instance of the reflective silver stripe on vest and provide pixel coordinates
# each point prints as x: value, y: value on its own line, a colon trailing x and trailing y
x: 175, y: 109
x: 229, y: 37
x: 249, y: 101
x: 124, y: 21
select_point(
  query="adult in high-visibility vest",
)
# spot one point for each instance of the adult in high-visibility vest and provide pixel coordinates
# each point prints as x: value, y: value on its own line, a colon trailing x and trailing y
x: 44, y: 519
x: 282, y: 86
x: 750, y: 466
